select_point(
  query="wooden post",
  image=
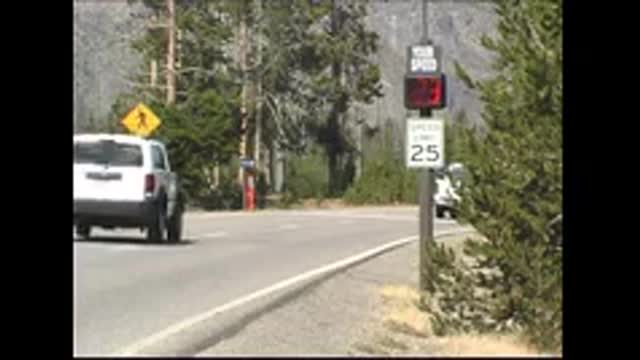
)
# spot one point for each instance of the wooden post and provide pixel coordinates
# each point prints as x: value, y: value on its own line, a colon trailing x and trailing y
x: 171, y: 51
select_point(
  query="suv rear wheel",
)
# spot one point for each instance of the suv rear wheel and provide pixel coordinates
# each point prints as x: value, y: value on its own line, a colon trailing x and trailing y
x: 158, y: 227
x: 174, y: 228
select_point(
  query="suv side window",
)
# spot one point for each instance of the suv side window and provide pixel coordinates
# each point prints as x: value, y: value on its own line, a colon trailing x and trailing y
x: 157, y: 156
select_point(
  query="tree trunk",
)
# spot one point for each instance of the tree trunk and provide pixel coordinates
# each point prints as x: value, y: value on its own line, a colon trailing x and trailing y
x: 334, y: 143
x: 216, y: 175
x: 258, y: 94
x: 333, y: 153
x: 243, y: 96
x: 359, y: 153
x: 171, y: 48
x: 278, y: 165
x: 333, y: 172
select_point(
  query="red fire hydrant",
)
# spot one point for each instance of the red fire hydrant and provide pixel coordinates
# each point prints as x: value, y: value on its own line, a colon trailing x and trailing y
x: 250, y: 192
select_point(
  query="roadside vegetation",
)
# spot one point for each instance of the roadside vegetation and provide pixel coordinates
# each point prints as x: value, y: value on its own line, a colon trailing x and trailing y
x: 512, y: 282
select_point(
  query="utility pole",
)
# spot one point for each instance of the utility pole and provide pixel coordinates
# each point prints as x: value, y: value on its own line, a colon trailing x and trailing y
x: 426, y: 217
x: 171, y: 51
x: 258, y: 65
x: 425, y: 28
x: 153, y: 76
x: 243, y: 95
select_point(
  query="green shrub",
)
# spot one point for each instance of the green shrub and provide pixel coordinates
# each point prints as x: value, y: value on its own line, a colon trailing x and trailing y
x: 385, y: 179
x: 307, y: 177
x: 227, y: 196
x: 513, y: 190
x: 198, y: 133
x: 410, y: 187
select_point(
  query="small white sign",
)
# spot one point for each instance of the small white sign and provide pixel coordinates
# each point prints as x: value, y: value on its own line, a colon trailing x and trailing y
x: 422, y: 51
x: 425, y: 143
x: 424, y: 64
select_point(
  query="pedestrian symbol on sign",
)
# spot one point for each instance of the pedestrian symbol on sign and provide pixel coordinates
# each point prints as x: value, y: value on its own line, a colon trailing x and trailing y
x: 143, y: 122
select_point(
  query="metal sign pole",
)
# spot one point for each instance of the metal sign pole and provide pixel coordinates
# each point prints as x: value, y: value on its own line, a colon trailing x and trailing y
x: 425, y: 90
x: 425, y: 192
x: 426, y: 188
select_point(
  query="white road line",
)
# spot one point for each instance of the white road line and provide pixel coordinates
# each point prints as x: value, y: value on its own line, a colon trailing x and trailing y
x: 85, y: 245
x: 348, y: 218
x: 135, y: 247
x: 213, y: 235
x: 358, y: 216
x: 222, y: 215
x: 125, y: 248
x: 135, y: 348
x: 239, y: 213
x: 346, y: 222
x: 289, y: 227
x: 348, y: 214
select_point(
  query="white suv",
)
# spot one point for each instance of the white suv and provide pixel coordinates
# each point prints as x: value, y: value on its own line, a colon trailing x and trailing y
x: 125, y: 181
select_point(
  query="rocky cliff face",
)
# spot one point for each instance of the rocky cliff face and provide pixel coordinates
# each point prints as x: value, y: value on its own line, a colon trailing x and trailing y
x: 103, y: 58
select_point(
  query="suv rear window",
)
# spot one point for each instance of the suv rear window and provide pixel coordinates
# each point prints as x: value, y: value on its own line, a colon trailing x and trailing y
x: 107, y: 152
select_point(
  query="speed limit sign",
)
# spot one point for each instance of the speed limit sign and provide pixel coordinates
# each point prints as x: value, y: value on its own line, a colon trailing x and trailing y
x: 425, y: 143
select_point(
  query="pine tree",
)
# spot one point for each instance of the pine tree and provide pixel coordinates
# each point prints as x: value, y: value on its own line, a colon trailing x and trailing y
x: 286, y: 71
x: 199, y: 129
x: 318, y: 66
x: 206, y: 44
x: 514, y: 185
x: 345, y: 47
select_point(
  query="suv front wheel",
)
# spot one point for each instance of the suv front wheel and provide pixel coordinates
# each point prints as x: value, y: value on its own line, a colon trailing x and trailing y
x: 83, y: 231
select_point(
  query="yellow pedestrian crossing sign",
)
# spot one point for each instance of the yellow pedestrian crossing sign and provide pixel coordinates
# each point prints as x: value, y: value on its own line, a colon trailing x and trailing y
x: 141, y: 120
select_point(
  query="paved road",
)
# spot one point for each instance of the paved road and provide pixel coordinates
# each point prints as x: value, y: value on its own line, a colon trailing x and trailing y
x: 126, y: 290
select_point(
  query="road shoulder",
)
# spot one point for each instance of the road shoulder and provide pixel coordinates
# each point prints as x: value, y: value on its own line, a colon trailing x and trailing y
x: 369, y: 309
x: 324, y: 319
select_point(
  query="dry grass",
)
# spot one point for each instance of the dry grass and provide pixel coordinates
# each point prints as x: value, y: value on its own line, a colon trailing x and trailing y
x: 402, y: 313
x: 402, y: 317
x: 391, y: 343
x: 484, y: 345
x: 370, y: 349
x: 400, y: 294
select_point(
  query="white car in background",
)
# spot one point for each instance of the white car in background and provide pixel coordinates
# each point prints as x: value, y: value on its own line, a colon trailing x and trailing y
x: 446, y: 198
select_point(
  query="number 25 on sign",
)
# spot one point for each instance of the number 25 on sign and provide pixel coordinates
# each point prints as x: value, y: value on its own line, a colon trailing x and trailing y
x: 425, y: 143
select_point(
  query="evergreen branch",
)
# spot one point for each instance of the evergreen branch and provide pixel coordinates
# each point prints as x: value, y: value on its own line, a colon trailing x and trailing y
x: 535, y: 36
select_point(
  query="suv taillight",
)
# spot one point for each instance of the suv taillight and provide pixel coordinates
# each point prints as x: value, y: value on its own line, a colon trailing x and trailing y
x: 149, y: 183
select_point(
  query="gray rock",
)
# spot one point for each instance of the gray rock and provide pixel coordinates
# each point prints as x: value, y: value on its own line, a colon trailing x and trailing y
x: 456, y: 26
x: 103, y: 58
